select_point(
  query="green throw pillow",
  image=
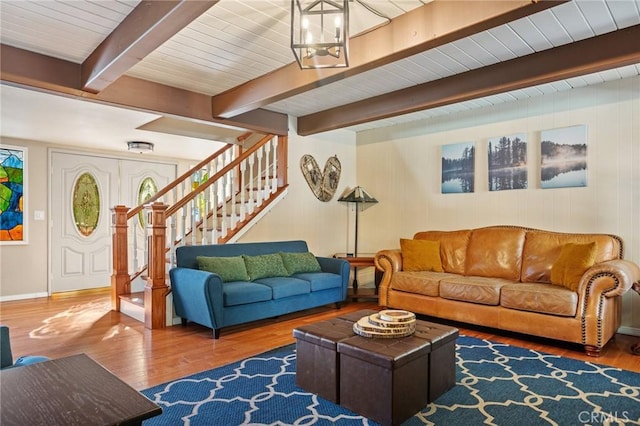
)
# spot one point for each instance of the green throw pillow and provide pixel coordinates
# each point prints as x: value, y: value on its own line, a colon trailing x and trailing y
x: 229, y: 268
x: 265, y: 266
x: 297, y: 263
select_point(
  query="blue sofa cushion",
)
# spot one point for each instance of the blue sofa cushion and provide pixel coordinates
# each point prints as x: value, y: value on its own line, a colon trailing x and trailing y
x: 229, y: 268
x: 265, y: 266
x: 241, y: 293
x: 321, y: 280
x: 284, y: 286
x: 297, y: 263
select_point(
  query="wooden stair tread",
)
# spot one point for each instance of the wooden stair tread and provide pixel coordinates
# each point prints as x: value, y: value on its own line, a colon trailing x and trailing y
x: 134, y: 298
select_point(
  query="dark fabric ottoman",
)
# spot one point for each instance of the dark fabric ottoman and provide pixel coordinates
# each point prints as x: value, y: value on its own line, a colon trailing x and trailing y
x: 317, y: 365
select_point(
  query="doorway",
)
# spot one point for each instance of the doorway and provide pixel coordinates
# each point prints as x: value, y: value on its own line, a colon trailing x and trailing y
x: 82, y: 191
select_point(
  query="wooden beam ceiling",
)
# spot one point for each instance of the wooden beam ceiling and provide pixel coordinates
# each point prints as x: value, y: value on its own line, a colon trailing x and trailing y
x: 46, y: 74
x: 423, y: 28
x: 611, y: 50
x: 147, y: 27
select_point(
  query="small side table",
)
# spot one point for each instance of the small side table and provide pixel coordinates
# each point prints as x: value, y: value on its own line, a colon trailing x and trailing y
x: 363, y: 260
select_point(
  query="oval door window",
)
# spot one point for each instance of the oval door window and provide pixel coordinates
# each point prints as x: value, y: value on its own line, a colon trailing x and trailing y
x: 86, y: 204
x: 147, y: 190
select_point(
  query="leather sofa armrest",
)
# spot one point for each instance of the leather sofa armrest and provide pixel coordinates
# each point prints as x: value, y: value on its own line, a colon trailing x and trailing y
x: 623, y: 272
x: 387, y: 261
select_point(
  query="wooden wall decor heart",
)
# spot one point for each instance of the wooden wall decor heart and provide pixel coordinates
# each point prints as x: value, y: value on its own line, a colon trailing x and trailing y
x: 323, y: 184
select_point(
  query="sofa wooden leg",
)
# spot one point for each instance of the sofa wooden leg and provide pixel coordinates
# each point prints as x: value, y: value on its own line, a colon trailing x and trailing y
x: 216, y: 333
x: 592, y: 350
x: 338, y: 305
x: 183, y: 321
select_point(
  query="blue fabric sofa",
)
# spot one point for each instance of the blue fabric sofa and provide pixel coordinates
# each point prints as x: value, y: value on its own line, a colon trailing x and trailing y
x: 219, y: 300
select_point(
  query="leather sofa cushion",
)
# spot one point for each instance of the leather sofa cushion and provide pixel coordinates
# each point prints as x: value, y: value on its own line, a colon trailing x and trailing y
x: 453, y: 248
x: 425, y: 283
x: 495, y: 252
x: 542, y: 248
x: 473, y: 289
x: 539, y: 297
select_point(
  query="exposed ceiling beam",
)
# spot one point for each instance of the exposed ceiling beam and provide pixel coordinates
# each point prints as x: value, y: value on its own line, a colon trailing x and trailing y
x: 148, y: 26
x: 46, y: 74
x: 612, y: 50
x: 426, y: 27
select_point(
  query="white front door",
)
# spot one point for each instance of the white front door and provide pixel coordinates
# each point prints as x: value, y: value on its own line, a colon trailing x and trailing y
x: 83, y: 189
x: 139, y: 181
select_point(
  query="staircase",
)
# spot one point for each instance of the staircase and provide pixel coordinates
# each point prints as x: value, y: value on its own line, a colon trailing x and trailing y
x: 215, y: 202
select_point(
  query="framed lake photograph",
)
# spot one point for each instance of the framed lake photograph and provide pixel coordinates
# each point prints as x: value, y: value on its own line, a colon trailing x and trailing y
x: 563, y: 157
x: 13, y: 191
x: 458, y: 167
x: 507, y: 162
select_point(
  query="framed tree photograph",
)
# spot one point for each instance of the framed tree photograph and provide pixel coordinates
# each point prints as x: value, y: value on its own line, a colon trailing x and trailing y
x: 507, y: 162
x: 458, y: 167
x: 13, y: 194
x: 563, y: 157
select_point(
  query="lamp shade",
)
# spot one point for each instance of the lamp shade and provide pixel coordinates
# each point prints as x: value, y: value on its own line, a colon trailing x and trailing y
x: 358, y: 195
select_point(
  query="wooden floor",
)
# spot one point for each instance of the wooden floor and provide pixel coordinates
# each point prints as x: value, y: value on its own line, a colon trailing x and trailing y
x: 71, y: 324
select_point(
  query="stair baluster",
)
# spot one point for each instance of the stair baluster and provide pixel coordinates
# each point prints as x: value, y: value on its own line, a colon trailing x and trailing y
x: 211, y: 203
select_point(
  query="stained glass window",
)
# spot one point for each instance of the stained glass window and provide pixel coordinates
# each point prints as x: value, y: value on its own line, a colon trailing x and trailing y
x: 86, y: 204
x: 147, y: 190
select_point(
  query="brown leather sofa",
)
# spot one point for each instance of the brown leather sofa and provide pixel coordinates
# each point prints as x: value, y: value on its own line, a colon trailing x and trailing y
x: 500, y: 277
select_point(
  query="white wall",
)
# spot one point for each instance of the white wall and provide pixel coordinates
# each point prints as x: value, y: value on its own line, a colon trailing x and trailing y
x: 300, y: 215
x: 401, y: 167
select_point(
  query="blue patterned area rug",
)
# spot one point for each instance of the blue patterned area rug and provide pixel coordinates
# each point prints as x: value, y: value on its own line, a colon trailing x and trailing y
x: 496, y: 384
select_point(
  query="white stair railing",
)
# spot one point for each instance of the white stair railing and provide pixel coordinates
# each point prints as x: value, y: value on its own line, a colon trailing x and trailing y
x: 210, y: 204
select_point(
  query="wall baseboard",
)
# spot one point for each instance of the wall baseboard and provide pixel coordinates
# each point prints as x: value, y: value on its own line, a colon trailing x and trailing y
x: 23, y: 296
x: 631, y: 331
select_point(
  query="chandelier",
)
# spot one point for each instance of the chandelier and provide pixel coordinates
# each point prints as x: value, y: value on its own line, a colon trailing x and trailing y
x: 320, y: 33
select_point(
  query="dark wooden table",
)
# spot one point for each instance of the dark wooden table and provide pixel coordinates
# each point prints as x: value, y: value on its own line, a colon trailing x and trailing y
x: 74, y: 390
x: 362, y: 260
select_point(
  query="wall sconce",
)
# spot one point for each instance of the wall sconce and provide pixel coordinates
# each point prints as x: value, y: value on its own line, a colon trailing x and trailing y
x: 320, y: 33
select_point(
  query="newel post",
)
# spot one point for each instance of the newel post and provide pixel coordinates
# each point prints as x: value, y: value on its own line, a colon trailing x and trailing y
x: 283, y: 147
x: 120, y: 280
x: 156, y: 289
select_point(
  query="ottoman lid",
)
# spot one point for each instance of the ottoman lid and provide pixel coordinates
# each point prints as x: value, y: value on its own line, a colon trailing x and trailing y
x: 325, y: 333
x: 388, y: 353
x: 437, y: 334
